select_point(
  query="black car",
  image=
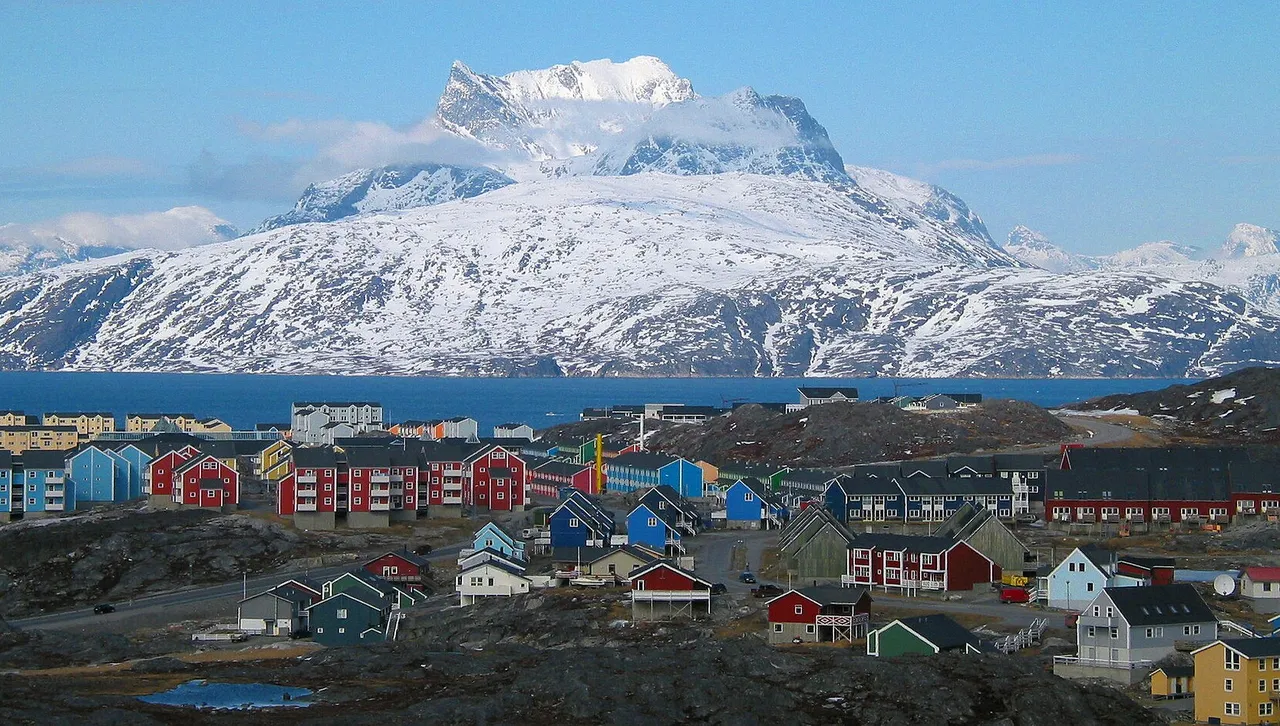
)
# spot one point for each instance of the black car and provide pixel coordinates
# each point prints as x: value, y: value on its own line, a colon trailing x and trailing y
x: 719, y: 589
x: 767, y: 591
x: 747, y: 577
x: 103, y: 609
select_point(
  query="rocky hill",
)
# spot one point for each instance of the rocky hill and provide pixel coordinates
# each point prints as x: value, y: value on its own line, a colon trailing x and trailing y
x: 1242, y: 405
x: 834, y: 435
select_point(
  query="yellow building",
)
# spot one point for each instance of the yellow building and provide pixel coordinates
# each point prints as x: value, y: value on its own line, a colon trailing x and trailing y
x: 1237, y: 681
x: 13, y: 418
x: 1173, y: 682
x: 710, y: 472
x: 208, y: 425
x: 275, y: 461
x: 17, y: 439
x: 143, y: 422
x: 89, y: 424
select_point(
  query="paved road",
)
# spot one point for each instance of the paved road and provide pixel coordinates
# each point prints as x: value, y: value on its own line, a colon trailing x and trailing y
x: 712, y: 554
x: 1015, y: 615
x: 231, y: 591
x: 1100, y: 432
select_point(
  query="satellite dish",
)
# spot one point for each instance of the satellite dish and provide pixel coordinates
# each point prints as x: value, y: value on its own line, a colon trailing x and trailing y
x: 1224, y: 585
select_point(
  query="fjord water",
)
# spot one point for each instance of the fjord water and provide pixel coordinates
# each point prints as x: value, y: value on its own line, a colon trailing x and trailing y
x: 244, y: 400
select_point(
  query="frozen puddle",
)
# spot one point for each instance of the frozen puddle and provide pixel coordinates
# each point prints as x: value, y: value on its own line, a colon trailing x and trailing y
x: 203, y: 694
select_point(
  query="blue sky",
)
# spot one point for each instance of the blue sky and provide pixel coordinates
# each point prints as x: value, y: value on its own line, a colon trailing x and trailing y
x: 1103, y: 127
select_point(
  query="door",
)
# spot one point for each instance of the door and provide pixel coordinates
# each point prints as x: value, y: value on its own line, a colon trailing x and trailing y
x: 269, y: 627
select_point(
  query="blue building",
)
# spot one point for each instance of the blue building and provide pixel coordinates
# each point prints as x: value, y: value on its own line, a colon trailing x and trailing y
x: 349, y: 618
x: 749, y: 504
x: 662, y: 519
x: 493, y: 537
x: 7, y: 491
x: 635, y: 471
x: 922, y: 492
x: 41, y: 476
x: 99, y: 473
x: 866, y: 497
x: 579, y: 521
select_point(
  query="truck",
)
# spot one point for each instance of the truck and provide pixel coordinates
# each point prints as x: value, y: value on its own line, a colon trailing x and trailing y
x: 1014, y: 579
x: 1015, y: 594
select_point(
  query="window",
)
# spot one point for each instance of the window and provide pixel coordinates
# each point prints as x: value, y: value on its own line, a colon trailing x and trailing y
x: 810, y: 629
x: 328, y: 501
x: 777, y: 627
x: 1097, y: 610
x: 1092, y: 631
x: 1228, y: 685
x: 1111, y: 612
x: 799, y: 610
x: 490, y: 582
x: 573, y: 522
x: 1115, y: 633
x: 653, y: 521
x: 1089, y: 588
x: 500, y: 495
x: 1231, y: 709
x: 1266, y: 709
x: 1151, y: 632
x: 1275, y: 684
x: 356, y: 501
x: 1262, y: 685
x: 342, y: 614
x: 637, y: 585
x: 1191, y: 630
x: 1232, y: 660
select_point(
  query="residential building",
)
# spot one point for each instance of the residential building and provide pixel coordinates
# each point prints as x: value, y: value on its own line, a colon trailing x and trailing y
x: 309, y: 420
x: 26, y: 437
x: 492, y: 536
x: 662, y: 519
x: 1260, y: 583
x: 550, y: 477
x: 909, y: 562
x: 1173, y: 681
x: 750, y: 504
x: 282, y: 610
x: 982, y: 530
x: 923, y: 635
x: 493, y: 578
x: 16, y: 418
x: 620, y: 562
x: 814, y: 547
x: 1085, y: 571
x: 1237, y: 681
x: 663, y: 591
x: 98, y: 475
x: 349, y: 618
x: 404, y: 569
x: 39, y: 483
x: 461, y: 428
x: 635, y: 471
x: 811, y: 396
x: 159, y: 422
x: 819, y: 615
x: 89, y: 424
x: 513, y: 431
x: 1125, y: 630
x: 580, y: 521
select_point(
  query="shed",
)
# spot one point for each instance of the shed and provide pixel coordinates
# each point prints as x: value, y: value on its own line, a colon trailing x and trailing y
x: 1173, y: 682
x: 926, y: 634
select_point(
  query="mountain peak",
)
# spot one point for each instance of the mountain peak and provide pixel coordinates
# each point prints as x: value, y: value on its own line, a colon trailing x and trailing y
x: 1250, y: 240
x: 1035, y: 249
x: 643, y: 79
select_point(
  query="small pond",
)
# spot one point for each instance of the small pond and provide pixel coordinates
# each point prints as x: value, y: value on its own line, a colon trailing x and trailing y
x: 203, y: 694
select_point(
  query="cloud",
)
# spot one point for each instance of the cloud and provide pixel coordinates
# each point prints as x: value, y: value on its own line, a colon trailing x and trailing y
x: 1008, y: 162
x: 272, y: 178
x: 176, y: 228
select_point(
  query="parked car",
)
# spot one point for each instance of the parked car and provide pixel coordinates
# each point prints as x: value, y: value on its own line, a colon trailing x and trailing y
x: 719, y: 588
x: 766, y: 590
x: 103, y: 609
x: 747, y: 577
x: 1014, y: 594
x: 530, y: 533
x: 1071, y: 619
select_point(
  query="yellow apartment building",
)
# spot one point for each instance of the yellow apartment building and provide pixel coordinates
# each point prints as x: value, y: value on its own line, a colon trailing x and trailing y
x: 144, y: 422
x: 1237, y: 681
x: 90, y: 425
x: 17, y: 439
x: 13, y: 418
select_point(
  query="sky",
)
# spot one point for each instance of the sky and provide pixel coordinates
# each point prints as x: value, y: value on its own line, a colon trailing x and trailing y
x: 1101, y: 126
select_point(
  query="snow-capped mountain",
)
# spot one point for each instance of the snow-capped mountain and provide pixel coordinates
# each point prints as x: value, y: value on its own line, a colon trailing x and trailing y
x: 387, y: 189
x: 86, y: 236
x: 645, y: 274
x: 1250, y: 240
x: 1152, y: 255
x: 1037, y: 250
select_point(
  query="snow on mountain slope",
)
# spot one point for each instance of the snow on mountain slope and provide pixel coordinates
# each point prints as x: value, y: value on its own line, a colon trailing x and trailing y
x: 85, y: 236
x: 647, y: 274
x: 1153, y: 255
x: 387, y: 189
x: 1036, y: 250
x: 1250, y: 240
x: 911, y: 197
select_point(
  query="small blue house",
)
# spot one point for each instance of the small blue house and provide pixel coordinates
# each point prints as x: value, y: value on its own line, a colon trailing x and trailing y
x: 749, y: 504
x: 637, y: 470
x: 580, y: 521
x: 654, y: 529
x: 94, y: 474
x: 349, y: 618
x: 493, y: 537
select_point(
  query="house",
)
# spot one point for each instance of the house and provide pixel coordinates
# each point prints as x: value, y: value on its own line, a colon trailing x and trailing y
x: 207, y: 482
x: 661, y: 520
x: 497, y: 479
x: 982, y: 530
x: 39, y: 483
x: 814, y: 546
x: 933, y: 402
x: 580, y: 521
x: 1085, y: 571
x: 1025, y: 473
x: 310, y: 492
x: 349, y: 617
x: 635, y: 471
x: 1260, y: 582
x: 97, y: 475
x: 910, y: 562
x: 446, y: 475
x: 493, y: 578
x: 492, y: 536
x: 799, y: 485
x: 15, y: 418
x: 158, y: 422
x: 1124, y: 630
x: 549, y: 477
x: 461, y: 428
x: 819, y: 615
x: 925, y: 634
x: 749, y: 504
x: 310, y: 421
x: 663, y: 591
x: 965, y: 400
x: 681, y: 413
x: 476, y: 557
x: 811, y: 396
x: 513, y: 431
x: 401, y: 568
x: 17, y: 439
x: 282, y: 610
x: 1173, y: 681
x: 89, y: 424
x: 768, y: 474
x: 1137, y: 496
x: 1237, y: 681
x: 272, y: 463
x: 620, y: 562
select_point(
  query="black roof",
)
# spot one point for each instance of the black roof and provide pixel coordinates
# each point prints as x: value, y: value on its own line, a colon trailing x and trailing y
x: 72, y: 414
x: 809, y: 392
x: 320, y: 457
x: 1252, y: 647
x: 964, y: 397
x: 809, y: 476
x: 1147, y: 562
x: 900, y: 542
x: 864, y: 485
x: 334, y: 404
x: 979, y: 464
x: 1190, y: 670
x: 39, y: 459
x: 1018, y: 462
x: 1139, y: 484
x: 936, y: 469
x: 834, y: 595
x: 642, y: 460
x: 943, y: 632
x: 1172, y: 458
x: 368, y: 456
x: 1160, y: 604
x: 560, y: 468
x: 272, y: 427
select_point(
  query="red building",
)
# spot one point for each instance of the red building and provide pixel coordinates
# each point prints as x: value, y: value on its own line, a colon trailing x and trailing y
x: 1151, y: 570
x: 312, y: 486
x: 660, y: 590
x: 917, y: 562
x: 404, y: 568
x: 160, y: 470
x: 204, y: 481
x: 1086, y: 496
x: 819, y: 615
x: 498, y: 480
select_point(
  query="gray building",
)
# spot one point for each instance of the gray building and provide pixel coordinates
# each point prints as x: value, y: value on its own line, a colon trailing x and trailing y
x: 984, y: 532
x: 814, y: 547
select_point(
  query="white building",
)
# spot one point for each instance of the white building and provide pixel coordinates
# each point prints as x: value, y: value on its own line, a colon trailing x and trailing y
x: 513, y: 431
x: 810, y: 396
x: 492, y: 578
x: 1260, y: 583
x: 309, y: 418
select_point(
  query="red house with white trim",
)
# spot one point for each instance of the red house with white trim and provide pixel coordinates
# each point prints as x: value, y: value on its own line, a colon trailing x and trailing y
x: 909, y: 562
x: 204, y: 481
x: 498, y: 479
x: 549, y: 477
x: 819, y: 615
x: 661, y: 591
x: 404, y: 568
x: 160, y: 472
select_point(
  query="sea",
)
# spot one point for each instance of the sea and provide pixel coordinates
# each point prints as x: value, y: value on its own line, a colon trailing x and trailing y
x: 246, y: 400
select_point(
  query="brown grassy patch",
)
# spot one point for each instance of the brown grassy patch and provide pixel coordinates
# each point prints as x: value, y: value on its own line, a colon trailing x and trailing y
x: 771, y: 564
x: 740, y: 627
x: 251, y: 654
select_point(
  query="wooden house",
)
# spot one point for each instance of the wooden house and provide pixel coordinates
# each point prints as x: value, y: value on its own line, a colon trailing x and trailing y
x: 663, y: 591
x: 1173, y: 682
x: 819, y: 615
x: 349, y: 617
x: 1237, y: 681
x: 401, y: 568
x: 493, y: 578
x: 814, y: 547
x: 580, y: 521
x: 1260, y: 583
x: 926, y: 634
x: 910, y: 562
x: 751, y: 504
x: 983, y: 531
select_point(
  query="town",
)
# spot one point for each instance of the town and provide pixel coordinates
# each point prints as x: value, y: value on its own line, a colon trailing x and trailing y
x: 887, y: 559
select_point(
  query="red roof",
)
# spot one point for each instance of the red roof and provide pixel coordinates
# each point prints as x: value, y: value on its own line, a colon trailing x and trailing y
x: 1263, y: 574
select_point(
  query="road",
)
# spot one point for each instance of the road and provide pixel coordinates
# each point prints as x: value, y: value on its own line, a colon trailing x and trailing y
x: 1016, y: 615
x: 162, y: 603
x: 713, y: 554
x: 1100, y: 432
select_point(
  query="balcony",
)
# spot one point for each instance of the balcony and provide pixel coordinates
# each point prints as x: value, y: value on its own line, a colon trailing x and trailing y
x: 452, y: 500
x: 1161, y: 518
x: 1111, y: 517
x: 55, y: 479
x: 305, y: 479
x: 303, y: 488
x: 1086, y: 518
x: 671, y: 596
x: 308, y: 505
x: 842, y: 621
x: 1136, y: 517
x: 379, y: 505
x: 453, y: 487
x: 54, y: 505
